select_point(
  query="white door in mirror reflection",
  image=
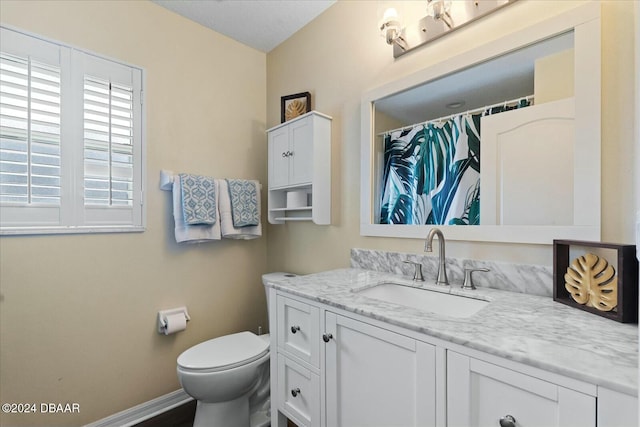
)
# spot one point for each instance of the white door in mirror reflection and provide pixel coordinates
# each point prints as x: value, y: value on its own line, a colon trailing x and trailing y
x: 527, y: 167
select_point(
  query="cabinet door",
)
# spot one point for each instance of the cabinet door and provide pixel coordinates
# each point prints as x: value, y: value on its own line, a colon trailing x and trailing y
x: 301, y: 147
x: 480, y: 394
x: 278, y: 157
x: 375, y: 377
x: 616, y: 409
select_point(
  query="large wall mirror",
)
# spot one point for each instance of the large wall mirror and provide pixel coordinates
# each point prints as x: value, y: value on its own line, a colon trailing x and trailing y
x: 500, y: 144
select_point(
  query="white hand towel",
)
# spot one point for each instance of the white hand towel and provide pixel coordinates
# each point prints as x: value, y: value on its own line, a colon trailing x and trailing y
x: 191, y: 233
x: 226, y: 216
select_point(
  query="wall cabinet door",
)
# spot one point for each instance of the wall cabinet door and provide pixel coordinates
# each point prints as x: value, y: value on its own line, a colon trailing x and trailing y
x: 375, y: 377
x: 291, y: 154
x: 301, y: 152
x: 278, y: 158
x: 480, y: 394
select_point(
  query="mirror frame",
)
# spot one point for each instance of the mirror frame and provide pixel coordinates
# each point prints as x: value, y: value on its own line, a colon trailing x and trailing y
x: 584, y: 21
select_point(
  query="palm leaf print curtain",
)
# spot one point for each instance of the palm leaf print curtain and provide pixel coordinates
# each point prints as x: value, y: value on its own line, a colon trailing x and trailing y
x: 432, y: 173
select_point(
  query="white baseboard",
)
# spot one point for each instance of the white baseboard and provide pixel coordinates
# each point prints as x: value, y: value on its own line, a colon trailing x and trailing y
x: 144, y: 411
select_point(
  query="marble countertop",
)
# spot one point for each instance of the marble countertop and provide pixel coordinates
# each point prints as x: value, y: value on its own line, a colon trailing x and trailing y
x: 530, y: 329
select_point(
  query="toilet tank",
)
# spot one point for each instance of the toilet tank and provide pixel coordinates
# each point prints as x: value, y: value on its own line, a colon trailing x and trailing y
x: 274, y: 276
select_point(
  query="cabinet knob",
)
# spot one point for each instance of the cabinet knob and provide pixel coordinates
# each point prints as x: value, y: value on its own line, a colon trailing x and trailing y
x: 295, y: 329
x: 295, y: 392
x: 327, y: 337
x: 285, y: 154
x: 507, y: 421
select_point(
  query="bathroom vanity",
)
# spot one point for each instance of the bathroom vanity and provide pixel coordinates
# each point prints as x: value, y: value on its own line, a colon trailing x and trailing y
x: 342, y: 356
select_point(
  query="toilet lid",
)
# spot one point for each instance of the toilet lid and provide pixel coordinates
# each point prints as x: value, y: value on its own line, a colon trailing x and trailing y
x: 224, y: 352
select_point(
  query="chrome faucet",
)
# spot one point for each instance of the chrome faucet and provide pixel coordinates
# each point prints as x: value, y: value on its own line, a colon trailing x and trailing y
x: 442, y: 268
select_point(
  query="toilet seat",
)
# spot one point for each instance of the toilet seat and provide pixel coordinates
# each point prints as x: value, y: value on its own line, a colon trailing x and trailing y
x: 223, y: 353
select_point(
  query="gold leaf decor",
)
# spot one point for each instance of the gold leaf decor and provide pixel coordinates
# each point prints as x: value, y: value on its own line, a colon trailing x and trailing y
x: 591, y: 280
x: 294, y: 109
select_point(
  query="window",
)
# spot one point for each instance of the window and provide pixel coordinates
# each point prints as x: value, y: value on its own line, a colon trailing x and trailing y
x: 71, y: 142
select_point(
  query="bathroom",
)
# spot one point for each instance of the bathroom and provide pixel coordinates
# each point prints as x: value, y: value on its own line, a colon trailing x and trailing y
x: 78, y: 311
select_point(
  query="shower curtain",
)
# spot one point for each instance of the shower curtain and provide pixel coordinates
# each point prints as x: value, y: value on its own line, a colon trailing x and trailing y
x: 432, y: 173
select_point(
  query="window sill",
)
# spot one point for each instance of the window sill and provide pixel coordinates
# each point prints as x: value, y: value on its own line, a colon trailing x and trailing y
x: 28, y: 231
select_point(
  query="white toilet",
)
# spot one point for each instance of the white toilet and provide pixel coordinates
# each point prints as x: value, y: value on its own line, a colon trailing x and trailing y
x: 229, y: 377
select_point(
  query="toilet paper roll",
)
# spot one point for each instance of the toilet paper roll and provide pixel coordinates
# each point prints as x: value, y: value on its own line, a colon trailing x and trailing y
x: 296, y: 199
x: 175, y: 323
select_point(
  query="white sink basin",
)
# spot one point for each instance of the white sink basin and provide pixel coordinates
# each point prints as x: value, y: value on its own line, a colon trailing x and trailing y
x: 424, y: 299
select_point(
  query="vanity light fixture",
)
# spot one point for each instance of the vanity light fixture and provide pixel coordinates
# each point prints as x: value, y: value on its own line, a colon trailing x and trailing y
x: 439, y: 10
x: 442, y: 16
x: 391, y: 28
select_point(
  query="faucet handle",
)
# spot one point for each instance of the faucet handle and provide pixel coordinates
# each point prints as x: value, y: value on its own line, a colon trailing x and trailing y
x: 417, y: 273
x: 468, y: 279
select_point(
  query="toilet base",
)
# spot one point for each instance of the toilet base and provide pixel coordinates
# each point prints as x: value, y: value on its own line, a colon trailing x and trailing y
x: 233, y: 413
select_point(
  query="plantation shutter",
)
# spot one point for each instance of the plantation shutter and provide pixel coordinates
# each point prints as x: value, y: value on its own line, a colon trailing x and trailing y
x: 31, y: 87
x: 111, y: 143
x: 71, y: 140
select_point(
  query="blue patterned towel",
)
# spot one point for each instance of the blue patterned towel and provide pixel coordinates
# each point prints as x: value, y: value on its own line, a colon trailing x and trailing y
x: 198, y: 199
x: 244, y: 202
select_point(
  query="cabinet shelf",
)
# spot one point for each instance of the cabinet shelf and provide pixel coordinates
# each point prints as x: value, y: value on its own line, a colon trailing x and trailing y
x: 304, y: 208
x: 294, y: 218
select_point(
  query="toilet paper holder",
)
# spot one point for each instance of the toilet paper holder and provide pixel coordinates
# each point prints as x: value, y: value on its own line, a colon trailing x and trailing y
x: 163, y: 314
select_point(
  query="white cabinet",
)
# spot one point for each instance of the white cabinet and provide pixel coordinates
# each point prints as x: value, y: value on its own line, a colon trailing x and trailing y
x: 616, y: 409
x: 481, y: 393
x: 375, y: 377
x: 300, y: 160
x: 297, y: 382
x: 291, y: 154
x: 332, y: 368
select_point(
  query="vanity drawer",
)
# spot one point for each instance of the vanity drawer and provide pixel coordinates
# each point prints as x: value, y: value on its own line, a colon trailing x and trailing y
x: 299, y: 330
x: 298, y: 393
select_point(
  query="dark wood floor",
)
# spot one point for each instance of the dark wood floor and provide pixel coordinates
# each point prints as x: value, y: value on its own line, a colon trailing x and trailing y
x: 182, y: 416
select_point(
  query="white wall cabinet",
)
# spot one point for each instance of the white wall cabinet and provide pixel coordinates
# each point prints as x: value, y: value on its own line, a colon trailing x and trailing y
x: 337, y: 369
x: 300, y: 160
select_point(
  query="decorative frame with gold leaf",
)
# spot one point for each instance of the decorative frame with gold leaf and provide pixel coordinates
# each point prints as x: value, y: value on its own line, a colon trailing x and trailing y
x: 626, y: 274
x: 292, y: 106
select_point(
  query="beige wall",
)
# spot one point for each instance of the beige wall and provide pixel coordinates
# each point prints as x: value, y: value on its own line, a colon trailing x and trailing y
x: 340, y: 55
x: 76, y: 328
x: 78, y: 312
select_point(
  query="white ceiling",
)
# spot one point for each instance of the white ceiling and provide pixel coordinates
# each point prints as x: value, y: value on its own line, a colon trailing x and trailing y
x: 261, y: 24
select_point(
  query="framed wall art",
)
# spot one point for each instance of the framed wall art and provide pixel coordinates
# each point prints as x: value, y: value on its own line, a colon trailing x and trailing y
x: 601, y: 278
x: 292, y: 106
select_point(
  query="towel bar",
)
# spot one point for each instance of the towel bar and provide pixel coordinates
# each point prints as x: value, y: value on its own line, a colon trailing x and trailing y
x: 166, y: 180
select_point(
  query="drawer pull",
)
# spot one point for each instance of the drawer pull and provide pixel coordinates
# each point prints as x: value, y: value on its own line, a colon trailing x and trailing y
x: 507, y: 421
x: 327, y: 337
x: 295, y: 329
x: 295, y: 392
